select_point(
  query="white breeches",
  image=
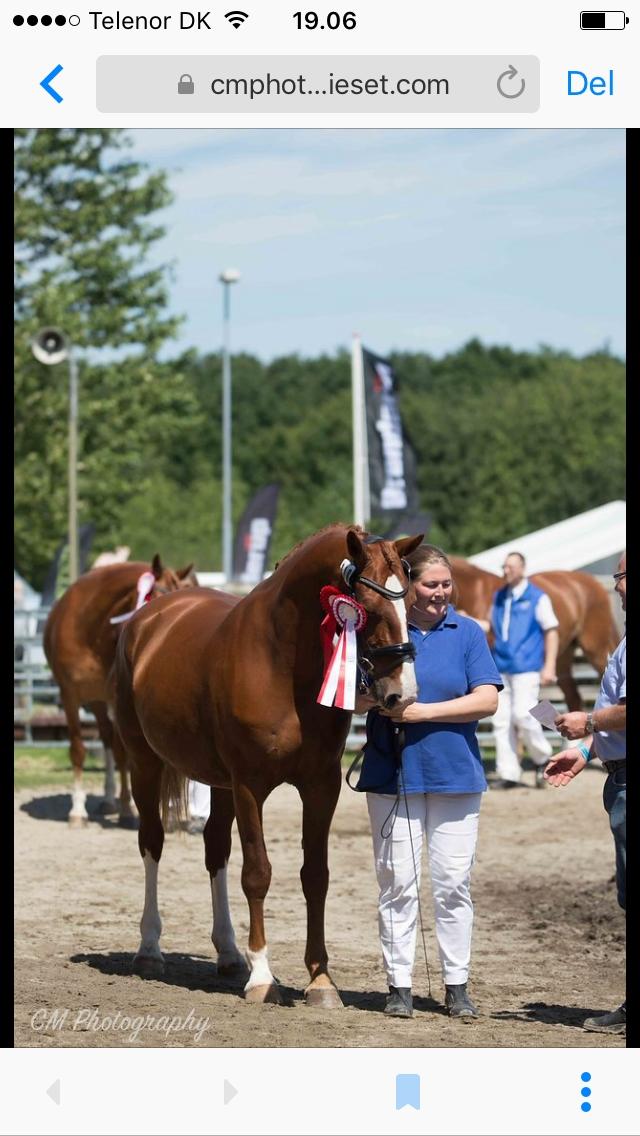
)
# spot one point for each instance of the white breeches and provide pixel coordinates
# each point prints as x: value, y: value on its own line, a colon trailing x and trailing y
x: 521, y: 692
x: 450, y: 822
x: 199, y: 799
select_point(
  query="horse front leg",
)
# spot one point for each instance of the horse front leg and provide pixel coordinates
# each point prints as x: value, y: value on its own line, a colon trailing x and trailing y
x: 128, y: 816
x: 256, y: 877
x: 566, y: 681
x: 217, y: 849
x: 318, y: 806
x: 146, y: 781
x: 105, y: 728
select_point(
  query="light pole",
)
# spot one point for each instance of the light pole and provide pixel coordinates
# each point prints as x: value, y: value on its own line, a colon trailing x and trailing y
x: 50, y: 346
x: 226, y: 278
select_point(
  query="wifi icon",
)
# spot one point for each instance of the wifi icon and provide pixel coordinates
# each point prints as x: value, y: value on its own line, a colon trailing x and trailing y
x: 236, y: 18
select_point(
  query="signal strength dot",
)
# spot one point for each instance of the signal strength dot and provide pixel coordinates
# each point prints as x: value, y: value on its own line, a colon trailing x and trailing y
x: 236, y: 19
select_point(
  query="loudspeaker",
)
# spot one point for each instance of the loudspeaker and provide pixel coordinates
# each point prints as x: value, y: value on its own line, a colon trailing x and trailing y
x: 50, y: 346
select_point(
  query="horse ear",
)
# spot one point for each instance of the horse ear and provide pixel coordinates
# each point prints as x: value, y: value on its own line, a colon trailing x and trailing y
x: 182, y: 573
x: 408, y: 544
x: 156, y: 566
x: 355, y: 547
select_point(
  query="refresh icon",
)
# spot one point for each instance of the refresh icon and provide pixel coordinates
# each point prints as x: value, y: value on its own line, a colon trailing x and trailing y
x: 505, y: 83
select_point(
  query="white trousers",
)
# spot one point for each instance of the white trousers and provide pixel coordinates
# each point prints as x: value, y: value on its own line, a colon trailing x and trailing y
x: 199, y: 799
x: 450, y: 822
x: 521, y: 692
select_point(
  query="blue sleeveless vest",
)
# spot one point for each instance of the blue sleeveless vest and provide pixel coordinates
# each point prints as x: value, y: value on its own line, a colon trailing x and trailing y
x: 523, y: 650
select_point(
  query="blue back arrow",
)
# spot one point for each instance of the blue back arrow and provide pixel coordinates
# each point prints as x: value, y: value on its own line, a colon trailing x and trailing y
x: 47, y: 79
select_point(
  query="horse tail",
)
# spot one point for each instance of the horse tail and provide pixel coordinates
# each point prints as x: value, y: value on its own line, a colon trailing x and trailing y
x: 173, y: 796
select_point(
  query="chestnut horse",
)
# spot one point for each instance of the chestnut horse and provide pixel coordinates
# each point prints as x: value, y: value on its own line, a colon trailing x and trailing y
x: 80, y: 646
x: 224, y: 691
x: 581, y: 605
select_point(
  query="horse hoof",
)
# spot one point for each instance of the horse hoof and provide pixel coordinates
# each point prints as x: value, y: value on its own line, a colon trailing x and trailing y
x: 263, y: 994
x: 323, y: 997
x: 147, y: 966
x: 78, y: 821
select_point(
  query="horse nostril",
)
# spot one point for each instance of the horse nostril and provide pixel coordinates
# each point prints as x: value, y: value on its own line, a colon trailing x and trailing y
x: 391, y: 700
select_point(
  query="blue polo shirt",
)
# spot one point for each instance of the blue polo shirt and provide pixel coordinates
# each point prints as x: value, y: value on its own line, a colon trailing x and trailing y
x: 611, y: 745
x: 439, y: 757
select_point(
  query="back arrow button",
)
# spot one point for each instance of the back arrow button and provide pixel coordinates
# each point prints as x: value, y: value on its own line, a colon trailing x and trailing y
x: 47, y: 80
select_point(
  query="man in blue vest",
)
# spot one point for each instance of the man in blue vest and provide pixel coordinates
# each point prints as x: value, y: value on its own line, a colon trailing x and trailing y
x: 525, y: 628
x: 603, y: 734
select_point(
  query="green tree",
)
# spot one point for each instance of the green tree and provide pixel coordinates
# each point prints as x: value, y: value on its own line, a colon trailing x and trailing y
x: 84, y: 234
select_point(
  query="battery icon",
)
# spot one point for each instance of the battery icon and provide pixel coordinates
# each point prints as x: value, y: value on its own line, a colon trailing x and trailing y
x: 603, y: 21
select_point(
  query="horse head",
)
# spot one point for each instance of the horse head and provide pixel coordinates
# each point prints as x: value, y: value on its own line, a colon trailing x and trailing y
x: 169, y: 579
x: 378, y: 576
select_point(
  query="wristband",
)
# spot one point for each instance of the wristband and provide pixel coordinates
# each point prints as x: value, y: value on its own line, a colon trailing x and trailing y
x: 585, y: 751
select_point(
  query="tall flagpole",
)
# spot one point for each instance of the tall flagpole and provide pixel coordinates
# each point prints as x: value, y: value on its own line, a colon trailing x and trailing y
x: 359, y: 428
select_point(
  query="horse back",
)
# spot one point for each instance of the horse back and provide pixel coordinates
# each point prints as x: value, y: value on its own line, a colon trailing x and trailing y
x: 162, y: 671
x: 78, y: 636
x: 583, y: 608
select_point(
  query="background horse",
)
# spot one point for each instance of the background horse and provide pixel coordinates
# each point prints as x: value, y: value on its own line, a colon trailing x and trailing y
x: 80, y: 646
x: 224, y: 691
x: 581, y: 605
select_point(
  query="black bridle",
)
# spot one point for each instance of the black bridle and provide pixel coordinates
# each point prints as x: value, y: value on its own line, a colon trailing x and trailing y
x: 394, y: 651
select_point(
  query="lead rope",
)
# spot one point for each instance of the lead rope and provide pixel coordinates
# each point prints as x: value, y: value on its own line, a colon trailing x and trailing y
x: 398, y: 742
x: 398, y: 745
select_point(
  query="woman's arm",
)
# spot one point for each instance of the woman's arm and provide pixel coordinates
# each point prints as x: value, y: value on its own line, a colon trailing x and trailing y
x: 482, y: 702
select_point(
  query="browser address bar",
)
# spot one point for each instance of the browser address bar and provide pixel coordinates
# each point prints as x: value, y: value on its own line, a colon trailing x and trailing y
x: 420, y: 84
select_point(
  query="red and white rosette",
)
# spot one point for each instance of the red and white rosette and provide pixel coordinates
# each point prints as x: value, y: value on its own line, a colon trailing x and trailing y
x: 341, y: 657
x: 144, y: 588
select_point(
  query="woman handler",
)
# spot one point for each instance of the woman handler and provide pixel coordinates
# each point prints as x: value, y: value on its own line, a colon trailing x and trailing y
x: 422, y: 772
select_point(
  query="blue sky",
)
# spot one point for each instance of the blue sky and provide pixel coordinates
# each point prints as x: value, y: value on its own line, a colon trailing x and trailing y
x: 417, y: 239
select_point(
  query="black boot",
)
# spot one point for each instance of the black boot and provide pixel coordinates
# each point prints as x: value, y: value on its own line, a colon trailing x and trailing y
x: 458, y: 1003
x: 615, y: 1022
x: 399, y: 1002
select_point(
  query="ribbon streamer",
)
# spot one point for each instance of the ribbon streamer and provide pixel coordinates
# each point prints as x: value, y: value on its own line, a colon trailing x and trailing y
x: 144, y: 588
x: 341, y: 657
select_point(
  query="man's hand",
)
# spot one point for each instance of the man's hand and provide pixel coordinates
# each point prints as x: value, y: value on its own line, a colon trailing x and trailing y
x: 573, y: 725
x: 564, y: 767
x: 548, y: 676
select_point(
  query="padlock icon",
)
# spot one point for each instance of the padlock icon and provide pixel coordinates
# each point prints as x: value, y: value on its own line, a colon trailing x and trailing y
x: 185, y: 85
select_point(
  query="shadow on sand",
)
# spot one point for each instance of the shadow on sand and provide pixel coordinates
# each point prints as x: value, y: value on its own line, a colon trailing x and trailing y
x: 57, y: 806
x: 196, y: 972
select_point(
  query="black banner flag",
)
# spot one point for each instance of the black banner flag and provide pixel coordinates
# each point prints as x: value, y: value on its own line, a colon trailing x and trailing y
x: 408, y: 524
x: 253, y: 535
x: 392, y: 464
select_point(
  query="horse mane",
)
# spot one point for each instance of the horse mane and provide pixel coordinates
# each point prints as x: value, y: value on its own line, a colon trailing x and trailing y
x: 327, y: 528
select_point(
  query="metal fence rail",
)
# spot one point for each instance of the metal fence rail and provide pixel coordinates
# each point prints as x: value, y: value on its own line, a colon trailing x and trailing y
x: 36, y: 695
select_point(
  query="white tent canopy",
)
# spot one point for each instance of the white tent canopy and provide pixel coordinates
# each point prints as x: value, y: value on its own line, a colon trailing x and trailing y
x: 591, y: 541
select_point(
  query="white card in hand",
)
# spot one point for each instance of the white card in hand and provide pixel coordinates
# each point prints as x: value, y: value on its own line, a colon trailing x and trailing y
x: 545, y: 712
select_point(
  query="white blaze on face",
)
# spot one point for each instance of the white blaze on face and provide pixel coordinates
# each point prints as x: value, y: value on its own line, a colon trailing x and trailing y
x: 408, y: 687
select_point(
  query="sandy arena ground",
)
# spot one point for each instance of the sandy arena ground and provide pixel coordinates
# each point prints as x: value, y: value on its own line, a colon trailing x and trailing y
x: 548, y: 939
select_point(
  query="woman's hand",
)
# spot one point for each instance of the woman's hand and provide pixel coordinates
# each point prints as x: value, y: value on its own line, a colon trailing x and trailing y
x: 414, y: 712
